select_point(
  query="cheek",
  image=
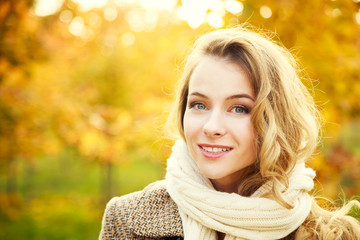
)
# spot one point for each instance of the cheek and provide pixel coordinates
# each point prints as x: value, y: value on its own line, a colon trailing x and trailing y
x: 244, y: 131
x: 192, y: 124
x: 250, y: 137
x: 186, y: 126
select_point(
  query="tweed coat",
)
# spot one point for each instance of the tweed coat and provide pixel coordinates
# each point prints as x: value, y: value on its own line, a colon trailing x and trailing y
x: 149, y: 214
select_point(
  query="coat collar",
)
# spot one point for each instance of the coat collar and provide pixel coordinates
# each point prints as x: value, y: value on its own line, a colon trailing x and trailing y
x: 155, y: 214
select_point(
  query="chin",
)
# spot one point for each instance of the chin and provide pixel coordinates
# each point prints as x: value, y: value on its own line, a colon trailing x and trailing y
x: 213, y: 176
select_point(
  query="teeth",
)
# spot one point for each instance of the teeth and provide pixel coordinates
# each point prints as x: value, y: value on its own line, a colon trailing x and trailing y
x: 215, y: 149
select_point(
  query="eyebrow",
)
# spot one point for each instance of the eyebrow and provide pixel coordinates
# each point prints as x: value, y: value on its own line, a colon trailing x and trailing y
x: 242, y: 95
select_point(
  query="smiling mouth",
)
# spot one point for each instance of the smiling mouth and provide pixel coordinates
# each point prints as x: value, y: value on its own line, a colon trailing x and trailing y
x: 215, y: 149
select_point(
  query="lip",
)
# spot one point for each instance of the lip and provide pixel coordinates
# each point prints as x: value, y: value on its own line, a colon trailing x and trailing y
x: 213, y: 155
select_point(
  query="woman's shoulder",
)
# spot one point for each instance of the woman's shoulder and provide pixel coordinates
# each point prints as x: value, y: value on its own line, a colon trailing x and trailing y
x: 148, y: 213
x: 156, y: 188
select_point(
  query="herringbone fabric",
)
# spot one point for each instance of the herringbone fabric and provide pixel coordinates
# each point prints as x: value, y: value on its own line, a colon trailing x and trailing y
x: 146, y: 215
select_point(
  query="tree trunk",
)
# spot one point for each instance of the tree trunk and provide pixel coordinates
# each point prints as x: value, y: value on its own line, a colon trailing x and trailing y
x: 11, y: 184
x: 28, y: 182
x: 107, y: 182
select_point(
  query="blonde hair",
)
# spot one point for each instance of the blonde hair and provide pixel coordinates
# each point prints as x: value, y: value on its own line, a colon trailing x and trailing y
x: 284, y: 115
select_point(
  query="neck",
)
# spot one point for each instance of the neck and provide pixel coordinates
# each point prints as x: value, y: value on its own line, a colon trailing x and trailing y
x: 220, y: 235
x: 225, y: 187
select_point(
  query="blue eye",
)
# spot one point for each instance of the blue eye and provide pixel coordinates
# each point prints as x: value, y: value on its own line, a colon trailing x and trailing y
x: 197, y: 106
x: 240, y: 109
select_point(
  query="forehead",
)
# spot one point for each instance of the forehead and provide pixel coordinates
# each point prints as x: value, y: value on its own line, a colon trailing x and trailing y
x: 215, y: 75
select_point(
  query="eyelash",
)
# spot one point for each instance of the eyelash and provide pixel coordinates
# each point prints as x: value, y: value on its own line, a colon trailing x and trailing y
x: 196, y: 104
x: 244, y: 109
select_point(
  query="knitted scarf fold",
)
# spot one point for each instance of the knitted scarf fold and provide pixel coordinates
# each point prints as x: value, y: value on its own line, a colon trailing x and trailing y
x: 204, y: 210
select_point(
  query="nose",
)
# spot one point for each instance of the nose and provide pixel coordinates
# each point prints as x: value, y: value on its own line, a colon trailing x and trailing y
x: 214, y: 125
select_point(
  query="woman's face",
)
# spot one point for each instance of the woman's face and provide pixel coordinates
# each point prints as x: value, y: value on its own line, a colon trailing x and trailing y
x: 217, y: 126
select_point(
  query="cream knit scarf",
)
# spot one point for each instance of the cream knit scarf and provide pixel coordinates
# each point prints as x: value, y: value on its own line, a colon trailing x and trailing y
x: 204, y: 210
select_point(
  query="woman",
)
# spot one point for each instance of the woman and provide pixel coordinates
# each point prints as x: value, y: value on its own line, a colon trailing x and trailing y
x: 247, y: 125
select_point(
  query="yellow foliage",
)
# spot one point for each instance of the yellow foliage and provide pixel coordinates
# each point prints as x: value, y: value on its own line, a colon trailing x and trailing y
x: 122, y: 122
x: 93, y: 144
x: 106, y: 95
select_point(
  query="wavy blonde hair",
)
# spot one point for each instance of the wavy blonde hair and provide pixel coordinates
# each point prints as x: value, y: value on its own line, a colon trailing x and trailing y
x: 284, y: 117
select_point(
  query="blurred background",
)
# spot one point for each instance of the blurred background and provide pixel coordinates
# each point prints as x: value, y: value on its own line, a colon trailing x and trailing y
x: 86, y: 86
